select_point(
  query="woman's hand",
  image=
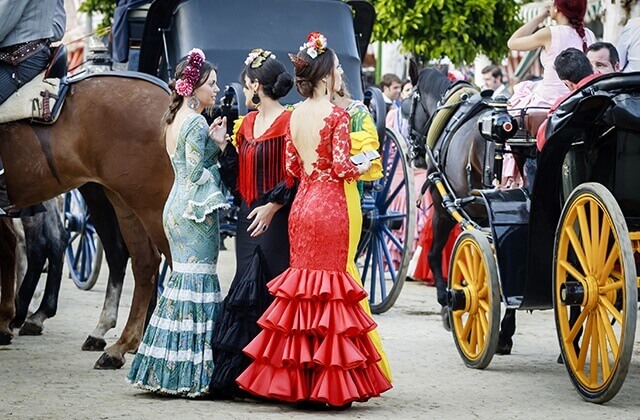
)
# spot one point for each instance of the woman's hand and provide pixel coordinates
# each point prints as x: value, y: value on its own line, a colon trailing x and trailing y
x: 544, y: 13
x: 364, y: 166
x: 262, y: 216
x: 218, y: 132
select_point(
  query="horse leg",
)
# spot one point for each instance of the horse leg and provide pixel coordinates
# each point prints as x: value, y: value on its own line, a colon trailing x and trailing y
x: 145, y: 260
x: 8, y: 280
x: 507, y: 329
x: 36, y: 257
x: 55, y: 240
x: 442, y: 226
x: 115, y: 250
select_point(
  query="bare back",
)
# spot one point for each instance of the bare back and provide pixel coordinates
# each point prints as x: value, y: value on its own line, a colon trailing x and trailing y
x: 172, y: 131
x: 306, y: 122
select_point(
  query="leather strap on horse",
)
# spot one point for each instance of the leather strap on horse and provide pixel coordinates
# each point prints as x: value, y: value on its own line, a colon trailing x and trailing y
x: 445, y: 112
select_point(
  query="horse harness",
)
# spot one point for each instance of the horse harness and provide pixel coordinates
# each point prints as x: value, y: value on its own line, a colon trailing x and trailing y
x: 463, y: 102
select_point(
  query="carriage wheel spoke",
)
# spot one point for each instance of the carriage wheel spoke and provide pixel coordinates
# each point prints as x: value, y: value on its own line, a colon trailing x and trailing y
x: 586, y: 236
x: 604, y: 353
x: 614, y: 285
x: 594, y: 213
x: 584, y: 348
x: 612, y: 309
x: 614, y: 255
x: 466, y: 328
x: 593, y: 361
x: 576, y: 327
x: 577, y: 247
x: 608, y: 329
x: 465, y: 272
x: 571, y: 270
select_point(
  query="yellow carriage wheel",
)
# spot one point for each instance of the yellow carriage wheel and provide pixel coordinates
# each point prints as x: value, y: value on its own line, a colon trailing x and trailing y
x: 474, y: 295
x: 595, y: 292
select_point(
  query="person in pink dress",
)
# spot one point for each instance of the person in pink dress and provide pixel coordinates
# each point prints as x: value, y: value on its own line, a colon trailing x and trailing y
x: 569, y: 32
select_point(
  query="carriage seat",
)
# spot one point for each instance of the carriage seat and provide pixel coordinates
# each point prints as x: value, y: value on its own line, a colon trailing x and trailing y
x: 533, y: 120
x: 529, y: 122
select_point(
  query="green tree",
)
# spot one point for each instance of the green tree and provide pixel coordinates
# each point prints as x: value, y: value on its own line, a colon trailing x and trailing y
x: 104, y: 7
x: 458, y: 29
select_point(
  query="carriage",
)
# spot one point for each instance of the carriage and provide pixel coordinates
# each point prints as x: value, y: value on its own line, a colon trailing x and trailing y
x: 567, y: 241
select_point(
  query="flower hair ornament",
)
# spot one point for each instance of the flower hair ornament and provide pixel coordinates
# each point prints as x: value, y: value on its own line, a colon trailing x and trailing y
x: 191, y: 73
x: 257, y: 57
x: 316, y: 44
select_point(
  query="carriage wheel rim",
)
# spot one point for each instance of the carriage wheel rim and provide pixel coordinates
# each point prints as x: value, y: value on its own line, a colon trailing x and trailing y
x: 598, y: 266
x: 471, y: 324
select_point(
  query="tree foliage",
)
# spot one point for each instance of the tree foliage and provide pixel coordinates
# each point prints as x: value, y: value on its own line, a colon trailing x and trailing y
x: 104, y: 7
x: 458, y: 29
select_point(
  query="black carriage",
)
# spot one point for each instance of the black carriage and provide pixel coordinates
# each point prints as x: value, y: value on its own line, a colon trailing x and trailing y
x: 227, y: 31
x: 569, y: 241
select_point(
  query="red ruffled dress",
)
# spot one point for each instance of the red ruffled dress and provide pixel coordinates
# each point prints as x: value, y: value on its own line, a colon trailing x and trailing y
x: 314, y: 344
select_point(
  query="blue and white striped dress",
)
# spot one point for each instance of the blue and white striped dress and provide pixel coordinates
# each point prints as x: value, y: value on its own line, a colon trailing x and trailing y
x: 175, y: 356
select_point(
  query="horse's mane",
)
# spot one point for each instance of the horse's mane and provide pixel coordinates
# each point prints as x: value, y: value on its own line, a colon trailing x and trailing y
x: 433, y: 81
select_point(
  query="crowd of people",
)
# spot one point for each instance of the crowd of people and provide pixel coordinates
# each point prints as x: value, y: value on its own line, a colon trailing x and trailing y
x: 296, y: 324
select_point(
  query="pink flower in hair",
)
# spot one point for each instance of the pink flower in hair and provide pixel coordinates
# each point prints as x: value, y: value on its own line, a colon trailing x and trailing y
x: 191, y: 73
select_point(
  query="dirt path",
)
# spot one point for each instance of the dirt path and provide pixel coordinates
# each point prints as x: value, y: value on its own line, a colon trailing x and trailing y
x: 49, y: 377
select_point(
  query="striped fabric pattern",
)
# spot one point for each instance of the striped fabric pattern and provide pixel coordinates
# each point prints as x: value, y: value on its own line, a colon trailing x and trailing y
x: 175, y: 356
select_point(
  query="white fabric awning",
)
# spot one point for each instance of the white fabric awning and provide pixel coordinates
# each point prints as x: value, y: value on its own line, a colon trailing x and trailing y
x: 530, y: 10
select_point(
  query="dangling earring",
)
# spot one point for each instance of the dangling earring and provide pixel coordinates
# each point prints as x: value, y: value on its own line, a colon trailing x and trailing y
x: 255, y: 99
x: 193, y: 102
x: 326, y: 86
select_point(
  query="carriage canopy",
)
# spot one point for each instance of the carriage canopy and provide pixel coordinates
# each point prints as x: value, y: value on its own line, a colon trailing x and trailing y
x: 280, y: 26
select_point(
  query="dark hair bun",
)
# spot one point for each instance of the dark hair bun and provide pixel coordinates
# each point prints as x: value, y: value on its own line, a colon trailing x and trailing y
x: 282, y: 86
x: 305, y: 87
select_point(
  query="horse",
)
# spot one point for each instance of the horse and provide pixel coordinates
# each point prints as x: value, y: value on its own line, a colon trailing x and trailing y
x: 45, y: 240
x: 110, y: 133
x: 463, y: 167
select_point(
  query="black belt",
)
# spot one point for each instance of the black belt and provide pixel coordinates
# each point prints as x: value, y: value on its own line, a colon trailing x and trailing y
x: 16, y: 54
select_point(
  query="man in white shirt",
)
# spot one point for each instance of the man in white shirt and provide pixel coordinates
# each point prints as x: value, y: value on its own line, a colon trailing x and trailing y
x: 629, y: 46
x: 391, y: 85
x: 492, y: 76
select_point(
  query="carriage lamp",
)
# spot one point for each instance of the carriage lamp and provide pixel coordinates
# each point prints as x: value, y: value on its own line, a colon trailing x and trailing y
x: 497, y: 126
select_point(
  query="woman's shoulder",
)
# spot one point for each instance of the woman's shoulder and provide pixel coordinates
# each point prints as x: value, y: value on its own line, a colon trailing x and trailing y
x: 193, y: 122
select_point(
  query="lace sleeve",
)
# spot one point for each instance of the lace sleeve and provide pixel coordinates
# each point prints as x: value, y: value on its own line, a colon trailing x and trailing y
x: 294, y: 170
x: 341, y: 148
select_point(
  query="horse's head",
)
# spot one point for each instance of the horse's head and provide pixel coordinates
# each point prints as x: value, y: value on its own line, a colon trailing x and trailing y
x: 428, y: 87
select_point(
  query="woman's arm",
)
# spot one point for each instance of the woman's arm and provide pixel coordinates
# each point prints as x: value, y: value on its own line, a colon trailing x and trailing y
x: 526, y: 38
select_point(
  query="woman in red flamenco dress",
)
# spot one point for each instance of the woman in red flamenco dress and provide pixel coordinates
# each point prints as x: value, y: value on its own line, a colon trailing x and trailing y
x: 314, y: 349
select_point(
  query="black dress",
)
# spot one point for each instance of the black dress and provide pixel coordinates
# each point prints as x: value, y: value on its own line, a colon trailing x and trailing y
x: 256, y: 176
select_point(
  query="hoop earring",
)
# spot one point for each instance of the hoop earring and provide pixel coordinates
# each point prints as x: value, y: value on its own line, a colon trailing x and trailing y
x: 193, y: 102
x: 255, y: 99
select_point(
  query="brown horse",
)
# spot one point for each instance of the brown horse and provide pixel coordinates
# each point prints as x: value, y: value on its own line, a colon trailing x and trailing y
x: 109, y: 132
x: 8, y: 279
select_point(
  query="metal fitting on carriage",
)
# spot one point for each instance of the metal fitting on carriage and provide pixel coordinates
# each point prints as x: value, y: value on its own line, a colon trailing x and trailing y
x: 498, y: 125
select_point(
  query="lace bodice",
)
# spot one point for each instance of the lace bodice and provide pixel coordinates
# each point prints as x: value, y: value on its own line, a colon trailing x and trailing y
x: 333, y: 162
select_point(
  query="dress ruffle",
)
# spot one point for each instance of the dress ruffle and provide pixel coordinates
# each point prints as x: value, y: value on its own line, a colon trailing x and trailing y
x: 175, y: 354
x: 246, y: 301
x: 314, y: 343
x: 198, y: 208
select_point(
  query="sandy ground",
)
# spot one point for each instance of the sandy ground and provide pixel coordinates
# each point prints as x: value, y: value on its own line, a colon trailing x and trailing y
x: 50, y: 377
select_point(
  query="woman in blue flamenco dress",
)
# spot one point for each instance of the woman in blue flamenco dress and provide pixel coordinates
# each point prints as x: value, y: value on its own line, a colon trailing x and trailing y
x: 175, y: 355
